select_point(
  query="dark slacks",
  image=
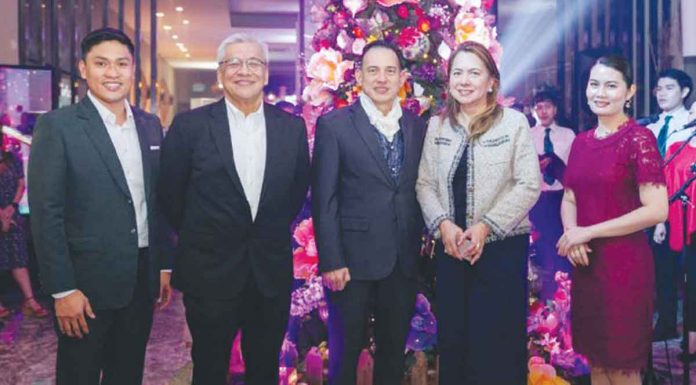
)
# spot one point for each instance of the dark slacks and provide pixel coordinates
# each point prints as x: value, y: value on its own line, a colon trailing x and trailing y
x: 666, y: 278
x: 214, y: 324
x: 114, y: 349
x: 392, y: 301
x: 546, y: 219
x: 482, y: 315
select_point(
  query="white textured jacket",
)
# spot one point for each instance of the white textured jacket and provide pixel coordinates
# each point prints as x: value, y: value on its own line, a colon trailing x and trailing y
x: 502, y: 178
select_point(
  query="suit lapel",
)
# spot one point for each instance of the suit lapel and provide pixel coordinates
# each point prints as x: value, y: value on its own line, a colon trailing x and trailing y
x: 142, y: 128
x: 96, y: 131
x: 362, y: 124
x: 273, y: 151
x: 220, y: 128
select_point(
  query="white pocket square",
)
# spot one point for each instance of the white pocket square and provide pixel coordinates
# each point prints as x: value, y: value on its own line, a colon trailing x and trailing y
x: 154, y: 148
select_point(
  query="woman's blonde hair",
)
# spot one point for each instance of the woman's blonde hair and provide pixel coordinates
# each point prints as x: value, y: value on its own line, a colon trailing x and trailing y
x: 485, y: 120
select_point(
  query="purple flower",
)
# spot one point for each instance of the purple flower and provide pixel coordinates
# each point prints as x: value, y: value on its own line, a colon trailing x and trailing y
x: 426, y: 72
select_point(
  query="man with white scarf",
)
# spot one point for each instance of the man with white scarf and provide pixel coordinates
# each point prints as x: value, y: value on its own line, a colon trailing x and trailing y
x: 367, y: 219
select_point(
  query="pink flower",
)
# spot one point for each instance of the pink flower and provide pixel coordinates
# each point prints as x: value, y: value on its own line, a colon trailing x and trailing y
x: 305, y: 257
x: 550, y: 322
x: 304, y: 236
x: 355, y: 6
x: 467, y: 4
x: 402, y: 11
x: 328, y: 66
x: 391, y: 3
x: 317, y: 94
x: 469, y: 26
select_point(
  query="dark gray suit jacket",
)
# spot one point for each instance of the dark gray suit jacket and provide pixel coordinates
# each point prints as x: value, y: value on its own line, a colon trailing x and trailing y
x: 82, y: 216
x: 364, y: 220
x: 220, y: 247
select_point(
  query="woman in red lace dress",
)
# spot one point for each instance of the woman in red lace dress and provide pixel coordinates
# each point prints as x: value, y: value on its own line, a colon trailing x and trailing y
x: 615, y: 188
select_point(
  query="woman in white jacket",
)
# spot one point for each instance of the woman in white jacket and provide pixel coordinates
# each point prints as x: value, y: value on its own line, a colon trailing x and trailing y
x: 478, y: 179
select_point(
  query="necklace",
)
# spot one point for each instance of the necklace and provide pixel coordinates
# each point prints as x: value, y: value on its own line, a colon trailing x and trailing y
x: 602, y: 132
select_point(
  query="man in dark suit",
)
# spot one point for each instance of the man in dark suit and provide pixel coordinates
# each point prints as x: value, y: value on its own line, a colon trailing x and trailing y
x: 234, y: 176
x: 367, y: 219
x: 94, y: 220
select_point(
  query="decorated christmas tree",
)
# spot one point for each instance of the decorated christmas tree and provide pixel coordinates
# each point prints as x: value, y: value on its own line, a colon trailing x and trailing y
x: 426, y: 31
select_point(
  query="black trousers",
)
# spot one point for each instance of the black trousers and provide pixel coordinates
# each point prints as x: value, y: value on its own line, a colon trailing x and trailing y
x: 482, y: 315
x: 114, y: 349
x: 214, y: 324
x: 392, y: 300
x: 666, y: 278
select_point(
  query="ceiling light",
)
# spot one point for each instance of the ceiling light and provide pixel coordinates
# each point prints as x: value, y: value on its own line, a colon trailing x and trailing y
x: 159, y: 14
x: 175, y: 37
x: 167, y: 27
x: 186, y: 22
x: 188, y: 55
x: 179, y: 9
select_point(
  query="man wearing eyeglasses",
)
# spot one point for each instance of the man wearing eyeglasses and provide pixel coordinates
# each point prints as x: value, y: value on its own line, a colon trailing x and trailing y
x: 233, y: 176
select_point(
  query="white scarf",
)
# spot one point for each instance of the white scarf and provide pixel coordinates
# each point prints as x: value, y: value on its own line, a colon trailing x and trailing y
x: 386, y: 125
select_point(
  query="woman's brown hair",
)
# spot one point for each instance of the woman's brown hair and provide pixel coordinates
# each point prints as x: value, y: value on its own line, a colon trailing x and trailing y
x: 485, y: 120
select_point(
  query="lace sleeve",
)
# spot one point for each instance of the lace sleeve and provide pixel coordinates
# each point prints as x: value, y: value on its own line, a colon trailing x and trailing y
x: 646, y: 159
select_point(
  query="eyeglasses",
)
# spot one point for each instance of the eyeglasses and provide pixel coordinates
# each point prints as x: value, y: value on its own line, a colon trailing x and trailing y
x: 235, y: 64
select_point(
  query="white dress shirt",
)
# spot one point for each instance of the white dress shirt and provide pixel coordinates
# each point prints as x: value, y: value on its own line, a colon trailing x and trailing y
x: 675, y: 132
x: 125, y: 139
x: 248, y: 135
x: 562, y: 139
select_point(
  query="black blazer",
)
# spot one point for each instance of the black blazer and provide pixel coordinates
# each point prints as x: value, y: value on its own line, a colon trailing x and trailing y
x: 364, y: 220
x: 82, y: 216
x: 220, y: 246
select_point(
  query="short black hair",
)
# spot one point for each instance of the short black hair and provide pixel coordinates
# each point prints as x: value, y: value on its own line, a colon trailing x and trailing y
x: 105, y: 34
x: 383, y: 44
x: 545, y: 93
x: 680, y: 76
x: 620, y: 64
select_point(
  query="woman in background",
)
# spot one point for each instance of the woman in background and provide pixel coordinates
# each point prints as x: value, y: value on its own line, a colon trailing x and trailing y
x: 13, y: 246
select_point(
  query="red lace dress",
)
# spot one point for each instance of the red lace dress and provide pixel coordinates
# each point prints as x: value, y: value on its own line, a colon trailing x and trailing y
x: 612, y: 298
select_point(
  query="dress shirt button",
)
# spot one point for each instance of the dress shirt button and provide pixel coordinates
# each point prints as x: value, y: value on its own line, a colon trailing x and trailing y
x: 130, y: 202
x: 133, y: 231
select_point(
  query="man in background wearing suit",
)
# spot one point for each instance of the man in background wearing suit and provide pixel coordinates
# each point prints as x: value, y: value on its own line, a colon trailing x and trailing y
x: 94, y: 220
x: 367, y: 219
x: 234, y: 176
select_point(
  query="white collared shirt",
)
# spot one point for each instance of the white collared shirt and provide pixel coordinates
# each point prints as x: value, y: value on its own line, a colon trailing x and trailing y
x: 562, y: 139
x: 675, y: 133
x: 248, y: 135
x: 127, y: 144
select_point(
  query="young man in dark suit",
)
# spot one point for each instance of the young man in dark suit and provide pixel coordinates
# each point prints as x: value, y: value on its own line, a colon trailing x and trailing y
x: 367, y: 219
x: 234, y: 176
x: 94, y: 212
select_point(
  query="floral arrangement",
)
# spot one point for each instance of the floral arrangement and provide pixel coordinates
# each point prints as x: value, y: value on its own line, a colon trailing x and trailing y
x: 550, y: 339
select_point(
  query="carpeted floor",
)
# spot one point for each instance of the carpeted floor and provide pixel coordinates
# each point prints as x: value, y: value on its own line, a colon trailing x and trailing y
x: 28, y: 351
